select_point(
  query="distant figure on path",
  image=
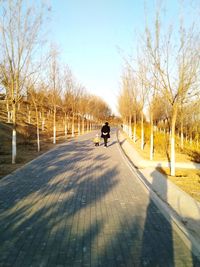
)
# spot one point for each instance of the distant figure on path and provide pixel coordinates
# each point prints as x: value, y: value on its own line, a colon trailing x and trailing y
x: 105, y: 133
x: 96, y: 140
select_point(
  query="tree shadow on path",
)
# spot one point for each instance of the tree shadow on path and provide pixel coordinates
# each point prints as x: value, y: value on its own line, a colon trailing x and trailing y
x: 46, y: 208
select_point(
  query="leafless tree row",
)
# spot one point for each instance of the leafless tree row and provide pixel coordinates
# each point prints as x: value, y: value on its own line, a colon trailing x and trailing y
x: 39, y: 81
x: 164, y: 82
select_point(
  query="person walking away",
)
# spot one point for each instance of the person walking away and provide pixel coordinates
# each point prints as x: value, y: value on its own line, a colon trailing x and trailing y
x: 105, y: 133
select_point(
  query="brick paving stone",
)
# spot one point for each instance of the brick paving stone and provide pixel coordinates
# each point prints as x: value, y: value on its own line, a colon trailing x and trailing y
x: 80, y: 205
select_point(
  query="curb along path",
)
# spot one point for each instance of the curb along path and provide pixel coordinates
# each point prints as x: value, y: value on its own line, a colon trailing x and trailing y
x: 80, y: 205
x: 174, y: 202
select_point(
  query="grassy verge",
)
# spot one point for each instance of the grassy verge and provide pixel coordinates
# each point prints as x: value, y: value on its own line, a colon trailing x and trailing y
x: 187, y: 179
x: 26, y: 147
x: 25, y: 153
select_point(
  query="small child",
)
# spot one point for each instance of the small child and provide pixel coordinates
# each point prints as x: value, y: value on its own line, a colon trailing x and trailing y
x: 96, y: 140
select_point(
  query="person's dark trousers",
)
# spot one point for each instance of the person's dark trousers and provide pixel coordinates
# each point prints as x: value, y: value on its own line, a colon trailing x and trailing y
x: 105, y: 141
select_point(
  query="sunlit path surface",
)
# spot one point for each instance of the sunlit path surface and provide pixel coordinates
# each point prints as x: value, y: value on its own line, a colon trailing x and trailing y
x: 80, y: 205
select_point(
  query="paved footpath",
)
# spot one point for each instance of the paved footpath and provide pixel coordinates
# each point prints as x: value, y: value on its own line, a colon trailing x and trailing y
x: 81, y: 205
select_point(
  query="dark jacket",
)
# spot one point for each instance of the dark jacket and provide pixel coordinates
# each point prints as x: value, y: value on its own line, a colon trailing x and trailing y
x: 105, y: 131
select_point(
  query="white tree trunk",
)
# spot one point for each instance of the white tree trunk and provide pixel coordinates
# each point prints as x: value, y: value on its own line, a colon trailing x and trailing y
x: 65, y: 125
x: 151, y: 139
x: 172, y: 163
x: 172, y: 142
x: 182, y: 140
x: 54, y: 134
x: 130, y: 127
x: 54, y: 126
x: 38, y: 138
x: 9, y: 116
x: 134, y: 134
x: 43, y: 123
x: 83, y: 125
x: 134, y: 129
x: 142, y: 131
x: 79, y: 126
x: 151, y: 146
x: 73, y: 125
x: 14, y: 146
x: 14, y: 135
x: 190, y: 140
x: 8, y: 112
x: 181, y: 133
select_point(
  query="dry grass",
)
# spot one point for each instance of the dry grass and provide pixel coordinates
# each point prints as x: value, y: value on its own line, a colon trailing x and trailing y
x: 26, y: 139
x: 26, y: 148
x: 187, y: 180
x: 162, y: 148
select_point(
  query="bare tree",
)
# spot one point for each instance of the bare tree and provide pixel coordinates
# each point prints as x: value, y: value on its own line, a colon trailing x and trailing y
x: 152, y: 45
x: 177, y: 69
x: 72, y: 95
x: 127, y: 101
x: 54, y: 86
x: 82, y: 109
x: 144, y: 91
x: 35, y: 99
x: 19, y: 32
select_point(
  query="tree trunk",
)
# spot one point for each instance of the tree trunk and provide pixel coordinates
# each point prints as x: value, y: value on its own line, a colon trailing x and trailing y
x: 134, y: 129
x: 73, y: 125
x: 190, y: 139
x: 14, y: 137
x: 8, y: 111
x: 79, y: 126
x: 38, y: 131
x: 182, y: 138
x: 65, y: 126
x: 43, y: 120
x: 142, y: 130
x: 130, y: 127
x: 172, y: 141
x: 83, y: 125
x: 151, y: 137
x: 54, y: 126
x: 9, y: 116
x: 43, y: 123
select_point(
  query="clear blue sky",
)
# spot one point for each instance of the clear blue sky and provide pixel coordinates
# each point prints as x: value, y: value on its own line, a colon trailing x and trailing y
x: 91, y: 33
